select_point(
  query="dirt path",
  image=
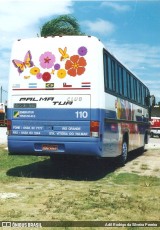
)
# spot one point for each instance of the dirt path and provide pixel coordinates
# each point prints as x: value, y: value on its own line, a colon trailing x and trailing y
x: 147, y: 164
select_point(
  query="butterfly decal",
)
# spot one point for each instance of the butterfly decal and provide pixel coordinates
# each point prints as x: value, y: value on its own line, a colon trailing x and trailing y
x: 63, y: 53
x: 21, y: 65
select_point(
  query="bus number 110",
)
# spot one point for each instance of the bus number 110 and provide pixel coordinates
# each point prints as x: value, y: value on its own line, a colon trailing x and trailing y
x: 81, y: 114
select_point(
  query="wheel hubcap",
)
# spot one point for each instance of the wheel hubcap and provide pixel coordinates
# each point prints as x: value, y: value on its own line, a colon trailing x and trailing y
x: 124, y: 151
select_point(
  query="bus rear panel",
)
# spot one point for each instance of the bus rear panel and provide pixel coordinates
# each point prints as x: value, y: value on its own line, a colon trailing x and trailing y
x: 44, y: 131
x: 53, y: 97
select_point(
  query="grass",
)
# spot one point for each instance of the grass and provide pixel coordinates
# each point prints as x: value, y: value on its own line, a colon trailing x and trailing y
x: 74, y: 190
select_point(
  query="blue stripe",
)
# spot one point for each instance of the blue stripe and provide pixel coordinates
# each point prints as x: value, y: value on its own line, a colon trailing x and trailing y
x: 50, y: 114
x: 59, y: 127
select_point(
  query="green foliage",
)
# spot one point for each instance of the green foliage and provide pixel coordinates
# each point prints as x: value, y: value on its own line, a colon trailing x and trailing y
x: 62, y: 25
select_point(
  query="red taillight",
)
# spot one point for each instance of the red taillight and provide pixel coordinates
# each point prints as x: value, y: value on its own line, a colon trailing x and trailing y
x: 114, y: 127
x: 94, y: 128
x: 9, y: 125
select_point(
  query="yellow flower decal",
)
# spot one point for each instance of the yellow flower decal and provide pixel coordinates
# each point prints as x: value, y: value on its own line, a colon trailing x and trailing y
x: 52, y: 72
x: 61, y: 73
x: 34, y: 70
x: 26, y: 77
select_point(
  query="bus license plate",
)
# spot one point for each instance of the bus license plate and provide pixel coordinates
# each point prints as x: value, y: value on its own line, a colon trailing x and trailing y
x: 49, y: 147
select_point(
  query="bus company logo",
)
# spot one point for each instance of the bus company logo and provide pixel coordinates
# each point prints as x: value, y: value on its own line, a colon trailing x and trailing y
x: 47, y: 99
x: 36, y: 99
x: 16, y: 114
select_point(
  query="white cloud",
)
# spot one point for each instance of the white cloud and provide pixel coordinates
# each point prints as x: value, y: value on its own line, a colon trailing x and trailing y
x: 136, y: 56
x: 99, y: 26
x: 23, y: 19
x: 19, y: 16
x: 119, y: 7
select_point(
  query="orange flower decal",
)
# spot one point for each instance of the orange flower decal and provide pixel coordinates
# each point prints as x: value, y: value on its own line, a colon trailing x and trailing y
x: 76, y: 65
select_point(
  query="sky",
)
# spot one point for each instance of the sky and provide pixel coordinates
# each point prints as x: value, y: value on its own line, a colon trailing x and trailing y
x: 130, y: 30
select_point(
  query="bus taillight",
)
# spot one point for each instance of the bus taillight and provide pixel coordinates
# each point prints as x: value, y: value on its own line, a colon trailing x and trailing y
x: 9, y: 125
x: 94, y: 128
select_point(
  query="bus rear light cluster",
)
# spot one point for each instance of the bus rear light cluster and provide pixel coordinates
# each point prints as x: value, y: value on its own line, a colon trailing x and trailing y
x: 94, y: 128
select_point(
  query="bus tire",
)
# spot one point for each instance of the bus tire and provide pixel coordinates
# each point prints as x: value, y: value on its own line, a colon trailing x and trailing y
x: 146, y: 139
x: 151, y: 134
x: 123, y: 157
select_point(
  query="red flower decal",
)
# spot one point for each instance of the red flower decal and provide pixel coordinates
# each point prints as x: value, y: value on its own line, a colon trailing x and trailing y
x: 46, y: 76
x: 76, y: 65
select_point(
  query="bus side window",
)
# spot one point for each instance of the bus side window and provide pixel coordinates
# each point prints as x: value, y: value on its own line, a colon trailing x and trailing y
x: 105, y: 71
x: 140, y: 92
x: 120, y: 74
x: 143, y: 95
x: 129, y: 85
x: 109, y: 75
x: 135, y: 89
x: 125, y: 88
x: 132, y: 89
x: 113, y: 75
x: 117, y: 78
x: 122, y: 83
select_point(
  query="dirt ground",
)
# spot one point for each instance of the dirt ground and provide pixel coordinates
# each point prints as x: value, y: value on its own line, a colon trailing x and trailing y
x: 146, y: 164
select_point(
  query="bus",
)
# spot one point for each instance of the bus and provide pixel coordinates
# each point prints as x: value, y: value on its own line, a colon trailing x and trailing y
x: 68, y: 95
x: 155, y: 127
x: 155, y: 121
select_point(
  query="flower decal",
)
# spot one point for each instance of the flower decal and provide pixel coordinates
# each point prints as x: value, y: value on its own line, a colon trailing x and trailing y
x: 76, y: 65
x: 46, y: 76
x: 47, y: 60
x: 50, y: 65
x: 57, y: 66
x: 39, y: 76
x: 34, y: 70
x: 61, y: 73
x: 82, y: 51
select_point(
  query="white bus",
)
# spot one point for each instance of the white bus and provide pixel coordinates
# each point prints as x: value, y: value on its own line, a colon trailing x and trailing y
x: 69, y: 95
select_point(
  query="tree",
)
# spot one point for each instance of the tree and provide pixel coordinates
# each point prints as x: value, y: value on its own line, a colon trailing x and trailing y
x: 62, y: 25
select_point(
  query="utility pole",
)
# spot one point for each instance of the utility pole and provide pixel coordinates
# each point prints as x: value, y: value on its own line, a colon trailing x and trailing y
x: 1, y: 93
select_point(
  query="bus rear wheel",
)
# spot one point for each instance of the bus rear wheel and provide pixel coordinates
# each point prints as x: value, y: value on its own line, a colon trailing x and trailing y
x: 151, y: 135
x: 123, y: 157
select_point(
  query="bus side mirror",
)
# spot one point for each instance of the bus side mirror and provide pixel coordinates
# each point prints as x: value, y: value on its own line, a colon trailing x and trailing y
x: 152, y: 100
x: 147, y: 100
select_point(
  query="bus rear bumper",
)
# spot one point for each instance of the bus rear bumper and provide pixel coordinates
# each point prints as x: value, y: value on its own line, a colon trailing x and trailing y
x: 49, y: 148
